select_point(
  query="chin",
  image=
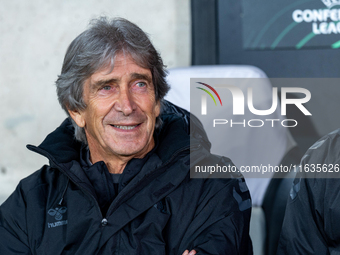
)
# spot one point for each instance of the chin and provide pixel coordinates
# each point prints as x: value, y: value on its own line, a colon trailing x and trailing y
x: 127, y: 150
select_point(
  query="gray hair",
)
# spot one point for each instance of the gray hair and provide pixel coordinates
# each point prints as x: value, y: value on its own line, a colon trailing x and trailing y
x: 97, y: 47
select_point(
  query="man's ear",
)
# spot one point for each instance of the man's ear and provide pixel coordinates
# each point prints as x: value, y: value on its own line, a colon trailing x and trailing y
x: 158, y: 108
x: 78, y: 117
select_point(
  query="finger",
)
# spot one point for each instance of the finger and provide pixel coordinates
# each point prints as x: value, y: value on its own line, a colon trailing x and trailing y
x: 193, y: 252
x: 186, y: 252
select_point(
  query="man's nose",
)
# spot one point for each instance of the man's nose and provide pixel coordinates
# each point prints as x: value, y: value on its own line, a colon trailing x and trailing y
x: 125, y: 103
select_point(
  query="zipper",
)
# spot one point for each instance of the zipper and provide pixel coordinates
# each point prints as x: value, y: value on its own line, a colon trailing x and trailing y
x: 63, y: 194
x: 83, y: 190
x: 61, y: 169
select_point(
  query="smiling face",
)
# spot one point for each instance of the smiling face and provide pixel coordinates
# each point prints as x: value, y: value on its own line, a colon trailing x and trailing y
x: 119, y: 119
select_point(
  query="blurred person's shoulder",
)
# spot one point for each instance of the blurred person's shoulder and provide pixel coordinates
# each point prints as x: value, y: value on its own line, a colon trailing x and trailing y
x: 319, y: 169
x: 325, y: 150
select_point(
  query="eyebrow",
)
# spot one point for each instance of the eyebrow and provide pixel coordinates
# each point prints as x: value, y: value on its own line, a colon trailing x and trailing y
x: 141, y: 76
x: 133, y: 76
x: 101, y: 83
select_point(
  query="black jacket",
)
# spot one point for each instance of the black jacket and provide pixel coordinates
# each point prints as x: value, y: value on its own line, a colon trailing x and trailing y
x: 312, y: 220
x: 159, y: 211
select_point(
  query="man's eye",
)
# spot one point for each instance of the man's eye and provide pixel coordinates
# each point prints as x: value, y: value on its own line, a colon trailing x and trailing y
x: 141, y: 84
x: 106, y: 88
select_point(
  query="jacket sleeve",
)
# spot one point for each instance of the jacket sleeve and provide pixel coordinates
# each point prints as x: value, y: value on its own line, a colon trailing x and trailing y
x: 301, y: 233
x: 13, y: 233
x: 311, y: 224
x: 225, y: 216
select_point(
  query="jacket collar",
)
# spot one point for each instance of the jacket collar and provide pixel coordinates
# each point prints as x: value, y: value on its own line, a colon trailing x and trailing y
x: 169, y: 165
x: 60, y: 146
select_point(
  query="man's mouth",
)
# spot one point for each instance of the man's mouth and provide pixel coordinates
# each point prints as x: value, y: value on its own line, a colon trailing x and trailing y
x: 125, y: 127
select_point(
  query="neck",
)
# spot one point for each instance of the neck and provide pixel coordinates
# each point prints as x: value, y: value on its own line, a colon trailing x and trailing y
x: 116, y: 167
x: 115, y: 163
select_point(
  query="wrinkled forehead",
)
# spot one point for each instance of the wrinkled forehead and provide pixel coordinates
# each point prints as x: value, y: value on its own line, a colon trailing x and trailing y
x: 123, y: 69
x: 109, y: 61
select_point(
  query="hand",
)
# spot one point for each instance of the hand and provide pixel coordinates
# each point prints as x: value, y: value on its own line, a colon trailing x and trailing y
x: 186, y: 252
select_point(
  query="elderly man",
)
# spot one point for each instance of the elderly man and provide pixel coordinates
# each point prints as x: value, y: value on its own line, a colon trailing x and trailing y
x: 118, y: 180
